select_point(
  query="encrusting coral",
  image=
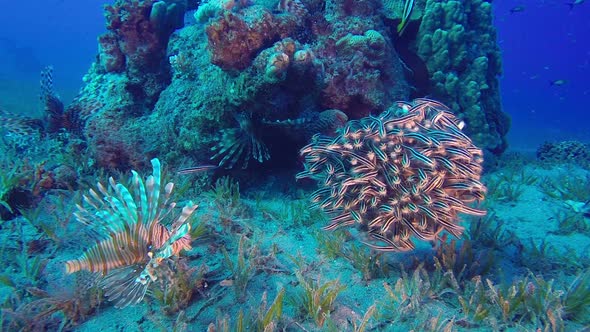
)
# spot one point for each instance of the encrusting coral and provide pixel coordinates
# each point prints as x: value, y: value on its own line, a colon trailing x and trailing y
x: 361, y: 72
x: 235, y: 38
x: 127, y: 78
x: 406, y: 173
x: 563, y: 152
x: 138, y: 33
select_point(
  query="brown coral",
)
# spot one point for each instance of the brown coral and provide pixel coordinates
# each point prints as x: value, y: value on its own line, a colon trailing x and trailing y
x: 235, y: 38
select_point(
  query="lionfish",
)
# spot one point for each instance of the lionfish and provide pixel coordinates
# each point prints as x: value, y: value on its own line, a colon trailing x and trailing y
x: 238, y: 145
x: 55, y: 118
x: 294, y: 7
x: 19, y: 125
x: 53, y: 107
x: 132, y: 242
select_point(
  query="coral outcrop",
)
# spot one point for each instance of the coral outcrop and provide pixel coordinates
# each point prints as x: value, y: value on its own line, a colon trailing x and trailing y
x: 564, y: 152
x: 457, y: 41
x: 362, y: 73
x: 235, y: 38
x: 138, y: 33
x: 284, y: 63
x: 125, y: 82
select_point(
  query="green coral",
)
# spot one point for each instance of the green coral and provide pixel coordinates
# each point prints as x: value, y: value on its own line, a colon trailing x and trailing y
x: 458, y: 44
x: 167, y: 16
x: 371, y: 43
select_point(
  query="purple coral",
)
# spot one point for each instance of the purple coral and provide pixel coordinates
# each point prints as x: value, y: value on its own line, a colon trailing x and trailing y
x: 138, y: 33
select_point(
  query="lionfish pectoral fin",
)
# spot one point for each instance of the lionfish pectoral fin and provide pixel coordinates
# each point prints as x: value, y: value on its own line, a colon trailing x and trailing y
x: 122, y: 288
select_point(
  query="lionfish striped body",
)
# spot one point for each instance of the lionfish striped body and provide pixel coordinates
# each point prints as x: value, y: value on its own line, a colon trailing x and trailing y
x: 19, y: 125
x: 294, y: 7
x: 132, y: 241
x: 125, y: 248
x: 52, y: 104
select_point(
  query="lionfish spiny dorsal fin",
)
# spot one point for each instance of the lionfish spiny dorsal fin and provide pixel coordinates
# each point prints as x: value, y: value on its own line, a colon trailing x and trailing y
x: 140, y: 197
x: 153, y: 193
x: 124, y: 207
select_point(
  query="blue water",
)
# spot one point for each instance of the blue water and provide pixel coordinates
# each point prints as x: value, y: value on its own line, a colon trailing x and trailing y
x: 545, y: 42
x: 35, y: 34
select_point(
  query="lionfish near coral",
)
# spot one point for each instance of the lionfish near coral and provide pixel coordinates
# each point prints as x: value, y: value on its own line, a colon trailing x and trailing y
x: 19, y: 125
x: 22, y: 126
x: 294, y: 7
x: 133, y: 244
x: 397, y: 177
x: 237, y: 146
x: 52, y: 104
x: 55, y: 117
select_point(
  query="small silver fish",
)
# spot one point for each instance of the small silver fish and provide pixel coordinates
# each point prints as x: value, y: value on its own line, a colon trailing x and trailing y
x: 579, y: 207
x: 557, y: 82
x: 195, y: 169
x: 575, y: 3
x: 516, y: 9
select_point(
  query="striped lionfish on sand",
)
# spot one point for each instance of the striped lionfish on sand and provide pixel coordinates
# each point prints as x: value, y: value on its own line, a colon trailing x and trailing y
x: 132, y: 241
